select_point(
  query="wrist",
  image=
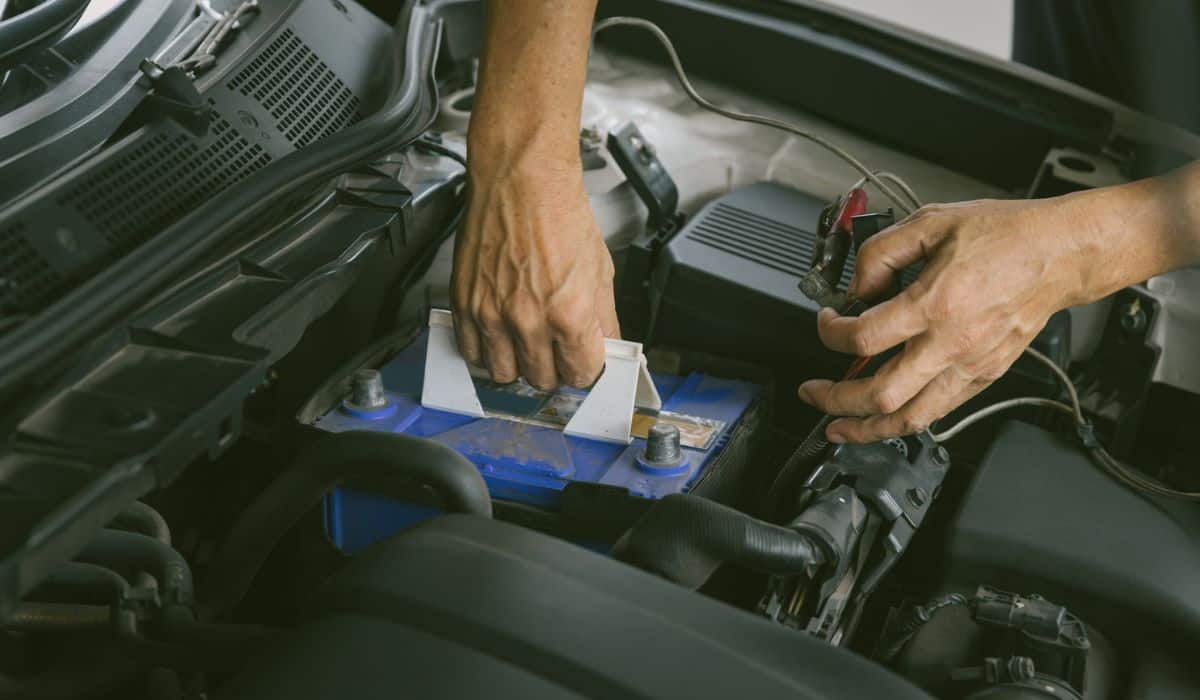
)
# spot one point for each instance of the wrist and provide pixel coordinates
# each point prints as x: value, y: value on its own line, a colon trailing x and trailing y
x: 1126, y: 234
x: 493, y: 149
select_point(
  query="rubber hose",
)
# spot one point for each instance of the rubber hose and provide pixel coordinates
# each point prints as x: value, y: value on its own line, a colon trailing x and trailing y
x: 319, y: 469
x: 95, y: 584
x: 179, y: 625
x: 140, y: 517
x: 120, y: 549
x: 799, y: 464
x: 686, y: 538
x: 31, y: 617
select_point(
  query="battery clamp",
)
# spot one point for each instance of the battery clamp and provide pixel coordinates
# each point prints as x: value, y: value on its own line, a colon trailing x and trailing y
x: 606, y: 414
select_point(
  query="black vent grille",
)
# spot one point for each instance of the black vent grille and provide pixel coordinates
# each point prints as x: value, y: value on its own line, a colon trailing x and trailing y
x: 760, y: 239
x: 304, y: 97
x: 26, y: 279
x: 161, y: 180
x: 768, y: 242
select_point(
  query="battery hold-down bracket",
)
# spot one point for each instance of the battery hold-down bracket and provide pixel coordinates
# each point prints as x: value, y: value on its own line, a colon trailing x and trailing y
x: 606, y: 414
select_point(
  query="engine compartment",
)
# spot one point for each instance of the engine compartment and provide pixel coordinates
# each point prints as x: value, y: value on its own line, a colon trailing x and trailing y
x: 347, y: 540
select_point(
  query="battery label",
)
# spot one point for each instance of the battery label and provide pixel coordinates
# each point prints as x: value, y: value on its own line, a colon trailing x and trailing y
x: 523, y: 403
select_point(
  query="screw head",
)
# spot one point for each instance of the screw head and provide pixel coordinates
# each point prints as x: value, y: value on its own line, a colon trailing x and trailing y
x: 1133, y: 317
x: 917, y: 497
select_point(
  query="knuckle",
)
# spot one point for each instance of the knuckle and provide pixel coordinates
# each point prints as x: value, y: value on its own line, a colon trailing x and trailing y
x: 862, y: 342
x: 523, y: 320
x: 570, y: 314
x: 490, y: 322
x: 965, y: 340
x: 940, y: 305
x: 885, y: 399
x: 910, y: 424
x: 870, y: 253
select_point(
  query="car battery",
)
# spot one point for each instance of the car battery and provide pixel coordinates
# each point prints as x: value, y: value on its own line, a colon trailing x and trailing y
x: 527, y: 460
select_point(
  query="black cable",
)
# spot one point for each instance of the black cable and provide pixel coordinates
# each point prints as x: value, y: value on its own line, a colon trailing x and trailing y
x: 428, y: 144
x: 318, y: 469
x: 1111, y: 465
x: 902, y: 631
x: 798, y: 465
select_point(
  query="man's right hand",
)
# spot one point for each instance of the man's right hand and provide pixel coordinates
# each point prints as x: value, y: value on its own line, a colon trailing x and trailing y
x: 995, y: 271
x: 532, y: 288
x: 533, y: 280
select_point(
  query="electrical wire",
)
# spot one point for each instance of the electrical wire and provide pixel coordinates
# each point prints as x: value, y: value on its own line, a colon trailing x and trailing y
x: 1123, y: 473
x: 998, y: 408
x: 441, y: 149
x: 896, y: 180
x: 833, y: 148
x: 880, y: 179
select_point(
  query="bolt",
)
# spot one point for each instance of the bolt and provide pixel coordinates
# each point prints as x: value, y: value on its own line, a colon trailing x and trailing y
x: 366, y: 390
x: 941, y: 456
x: 917, y: 497
x: 1133, y: 317
x: 662, y: 444
x: 590, y: 139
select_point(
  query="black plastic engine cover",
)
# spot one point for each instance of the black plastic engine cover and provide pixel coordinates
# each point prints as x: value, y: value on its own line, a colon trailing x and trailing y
x: 467, y: 607
x: 1041, y: 517
x: 727, y: 282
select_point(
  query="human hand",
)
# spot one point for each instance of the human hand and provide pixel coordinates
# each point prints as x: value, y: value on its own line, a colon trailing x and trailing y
x: 995, y: 272
x: 532, y: 288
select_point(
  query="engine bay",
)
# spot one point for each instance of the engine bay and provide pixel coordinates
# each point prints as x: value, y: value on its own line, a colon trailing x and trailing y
x: 352, y: 535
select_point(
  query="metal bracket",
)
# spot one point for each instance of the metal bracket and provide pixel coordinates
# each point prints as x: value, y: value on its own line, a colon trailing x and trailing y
x: 606, y: 414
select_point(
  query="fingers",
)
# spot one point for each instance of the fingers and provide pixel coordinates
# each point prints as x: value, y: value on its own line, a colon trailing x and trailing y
x: 467, y: 334
x: 877, y: 329
x: 581, y: 359
x: 935, y: 400
x: 499, y: 353
x: 535, y: 358
x: 890, y: 388
x: 888, y: 252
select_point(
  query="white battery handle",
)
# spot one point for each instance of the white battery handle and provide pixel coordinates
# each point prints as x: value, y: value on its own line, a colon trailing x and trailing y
x: 605, y: 414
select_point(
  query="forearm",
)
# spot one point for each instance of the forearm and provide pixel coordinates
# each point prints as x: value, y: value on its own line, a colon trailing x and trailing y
x: 1136, y: 231
x: 530, y: 92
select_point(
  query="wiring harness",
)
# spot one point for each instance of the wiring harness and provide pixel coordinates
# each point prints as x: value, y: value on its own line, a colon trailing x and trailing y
x: 898, y: 191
